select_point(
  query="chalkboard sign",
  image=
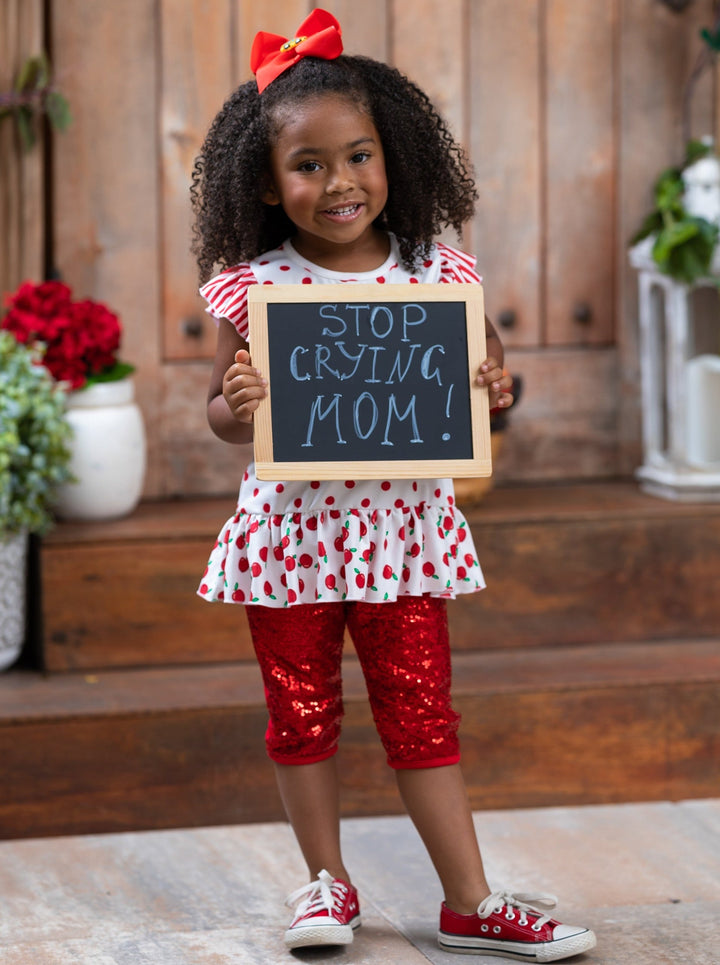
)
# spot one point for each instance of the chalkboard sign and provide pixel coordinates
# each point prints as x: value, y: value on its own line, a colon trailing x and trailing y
x: 366, y: 381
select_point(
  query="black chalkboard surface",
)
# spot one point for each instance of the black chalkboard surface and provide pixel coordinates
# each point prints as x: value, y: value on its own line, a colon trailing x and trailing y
x: 366, y: 381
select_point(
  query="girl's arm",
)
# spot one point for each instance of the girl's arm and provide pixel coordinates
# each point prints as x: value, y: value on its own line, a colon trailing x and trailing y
x: 236, y: 388
x: 491, y: 371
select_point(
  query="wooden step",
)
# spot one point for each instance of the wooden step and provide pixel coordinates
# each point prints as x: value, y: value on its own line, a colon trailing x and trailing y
x: 565, y: 565
x: 183, y: 746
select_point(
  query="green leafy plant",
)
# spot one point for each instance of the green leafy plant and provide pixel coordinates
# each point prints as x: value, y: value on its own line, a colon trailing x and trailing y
x: 684, y: 244
x: 34, y: 94
x: 34, y: 439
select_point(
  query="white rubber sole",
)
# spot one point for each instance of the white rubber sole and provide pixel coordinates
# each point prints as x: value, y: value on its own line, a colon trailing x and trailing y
x: 305, y: 936
x: 522, y: 951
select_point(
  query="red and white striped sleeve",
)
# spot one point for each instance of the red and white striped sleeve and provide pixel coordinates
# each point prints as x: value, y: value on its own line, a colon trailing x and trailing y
x: 457, y: 266
x: 226, y: 295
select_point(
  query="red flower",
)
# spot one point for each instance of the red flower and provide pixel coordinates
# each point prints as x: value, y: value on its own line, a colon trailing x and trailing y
x: 81, y: 338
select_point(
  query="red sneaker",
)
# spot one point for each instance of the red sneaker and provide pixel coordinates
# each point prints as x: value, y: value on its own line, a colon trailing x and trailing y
x: 326, y: 914
x: 513, y: 926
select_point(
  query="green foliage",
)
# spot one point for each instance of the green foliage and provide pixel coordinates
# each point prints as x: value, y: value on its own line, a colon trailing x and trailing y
x: 684, y: 245
x: 34, y: 437
x: 34, y: 94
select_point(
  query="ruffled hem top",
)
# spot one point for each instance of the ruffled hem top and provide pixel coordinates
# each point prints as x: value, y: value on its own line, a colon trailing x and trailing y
x: 326, y: 541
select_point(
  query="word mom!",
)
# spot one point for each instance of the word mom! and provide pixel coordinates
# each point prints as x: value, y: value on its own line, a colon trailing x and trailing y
x: 369, y: 368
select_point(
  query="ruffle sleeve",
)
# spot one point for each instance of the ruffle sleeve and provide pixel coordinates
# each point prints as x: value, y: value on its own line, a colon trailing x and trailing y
x: 226, y: 295
x: 457, y: 266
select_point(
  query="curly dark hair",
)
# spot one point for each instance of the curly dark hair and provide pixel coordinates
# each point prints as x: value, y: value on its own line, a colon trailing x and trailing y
x: 430, y: 184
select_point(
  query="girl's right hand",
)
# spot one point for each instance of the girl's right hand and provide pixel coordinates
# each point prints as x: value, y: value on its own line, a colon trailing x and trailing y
x: 243, y: 387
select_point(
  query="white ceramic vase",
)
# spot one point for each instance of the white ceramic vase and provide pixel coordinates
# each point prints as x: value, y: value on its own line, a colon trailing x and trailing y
x: 108, y: 453
x: 13, y: 556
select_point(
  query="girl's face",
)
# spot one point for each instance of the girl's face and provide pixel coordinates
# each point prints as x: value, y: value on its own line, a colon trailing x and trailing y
x: 328, y: 173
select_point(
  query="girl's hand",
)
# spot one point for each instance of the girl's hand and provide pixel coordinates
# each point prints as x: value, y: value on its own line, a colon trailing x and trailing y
x: 498, y: 382
x: 243, y: 387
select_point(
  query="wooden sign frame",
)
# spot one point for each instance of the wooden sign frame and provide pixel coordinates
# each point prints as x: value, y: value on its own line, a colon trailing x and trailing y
x: 260, y: 297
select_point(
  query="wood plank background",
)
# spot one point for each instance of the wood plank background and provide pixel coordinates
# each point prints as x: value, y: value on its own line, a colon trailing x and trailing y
x: 569, y: 109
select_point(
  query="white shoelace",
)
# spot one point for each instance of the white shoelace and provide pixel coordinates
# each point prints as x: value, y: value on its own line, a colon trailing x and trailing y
x: 324, y: 894
x: 524, y: 903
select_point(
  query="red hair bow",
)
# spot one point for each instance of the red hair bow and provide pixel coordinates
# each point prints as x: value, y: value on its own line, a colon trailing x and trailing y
x: 319, y: 35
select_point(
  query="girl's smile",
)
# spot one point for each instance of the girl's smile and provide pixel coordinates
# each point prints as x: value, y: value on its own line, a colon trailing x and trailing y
x: 328, y: 173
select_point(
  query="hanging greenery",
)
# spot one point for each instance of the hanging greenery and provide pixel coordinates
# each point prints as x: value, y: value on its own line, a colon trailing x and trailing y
x: 34, y: 95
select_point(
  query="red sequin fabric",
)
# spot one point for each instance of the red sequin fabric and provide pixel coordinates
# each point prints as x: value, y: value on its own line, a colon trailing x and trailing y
x: 404, y: 651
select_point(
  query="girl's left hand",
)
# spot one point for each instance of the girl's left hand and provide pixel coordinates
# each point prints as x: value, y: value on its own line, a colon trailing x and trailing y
x: 498, y: 382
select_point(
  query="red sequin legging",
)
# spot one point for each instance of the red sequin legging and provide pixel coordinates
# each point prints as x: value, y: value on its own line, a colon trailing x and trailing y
x: 404, y: 651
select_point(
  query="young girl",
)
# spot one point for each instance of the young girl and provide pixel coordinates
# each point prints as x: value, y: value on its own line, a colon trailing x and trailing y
x: 330, y: 168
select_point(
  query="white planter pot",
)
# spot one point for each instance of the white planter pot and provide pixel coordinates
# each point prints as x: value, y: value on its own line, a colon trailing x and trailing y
x: 108, y: 452
x: 13, y: 556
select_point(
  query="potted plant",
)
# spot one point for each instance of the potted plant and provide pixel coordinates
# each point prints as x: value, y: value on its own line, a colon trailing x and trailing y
x: 680, y: 234
x: 34, y: 463
x: 81, y: 340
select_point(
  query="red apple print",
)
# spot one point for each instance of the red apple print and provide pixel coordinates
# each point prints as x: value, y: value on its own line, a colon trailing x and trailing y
x: 254, y: 526
x: 285, y: 542
x: 256, y: 569
x: 267, y: 587
x: 283, y: 579
x: 264, y: 553
x: 330, y: 581
x: 387, y: 571
x: 401, y: 534
x: 311, y: 523
x: 277, y: 520
x: 451, y: 500
x: 338, y: 543
x: 306, y: 560
x: 204, y: 589
x: 238, y: 595
x: 469, y: 560
x: 240, y: 542
x: 221, y: 595
x: 321, y: 549
x: 289, y: 563
x: 448, y: 523
x: 363, y: 529
x: 278, y: 553
x: 428, y: 569
x: 348, y: 555
x: 334, y: 514
x: 461, y: 572
x: 342, y: 572
x: 415, y: 549
x: 360, y: 580
x: 243, y: 564
x: 405, y: 574
x: 292, y: 596
x: 461, y: 535
x: 301, y: 585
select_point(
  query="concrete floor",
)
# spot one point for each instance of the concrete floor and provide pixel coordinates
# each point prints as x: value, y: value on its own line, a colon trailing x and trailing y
x: 644, y: 877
